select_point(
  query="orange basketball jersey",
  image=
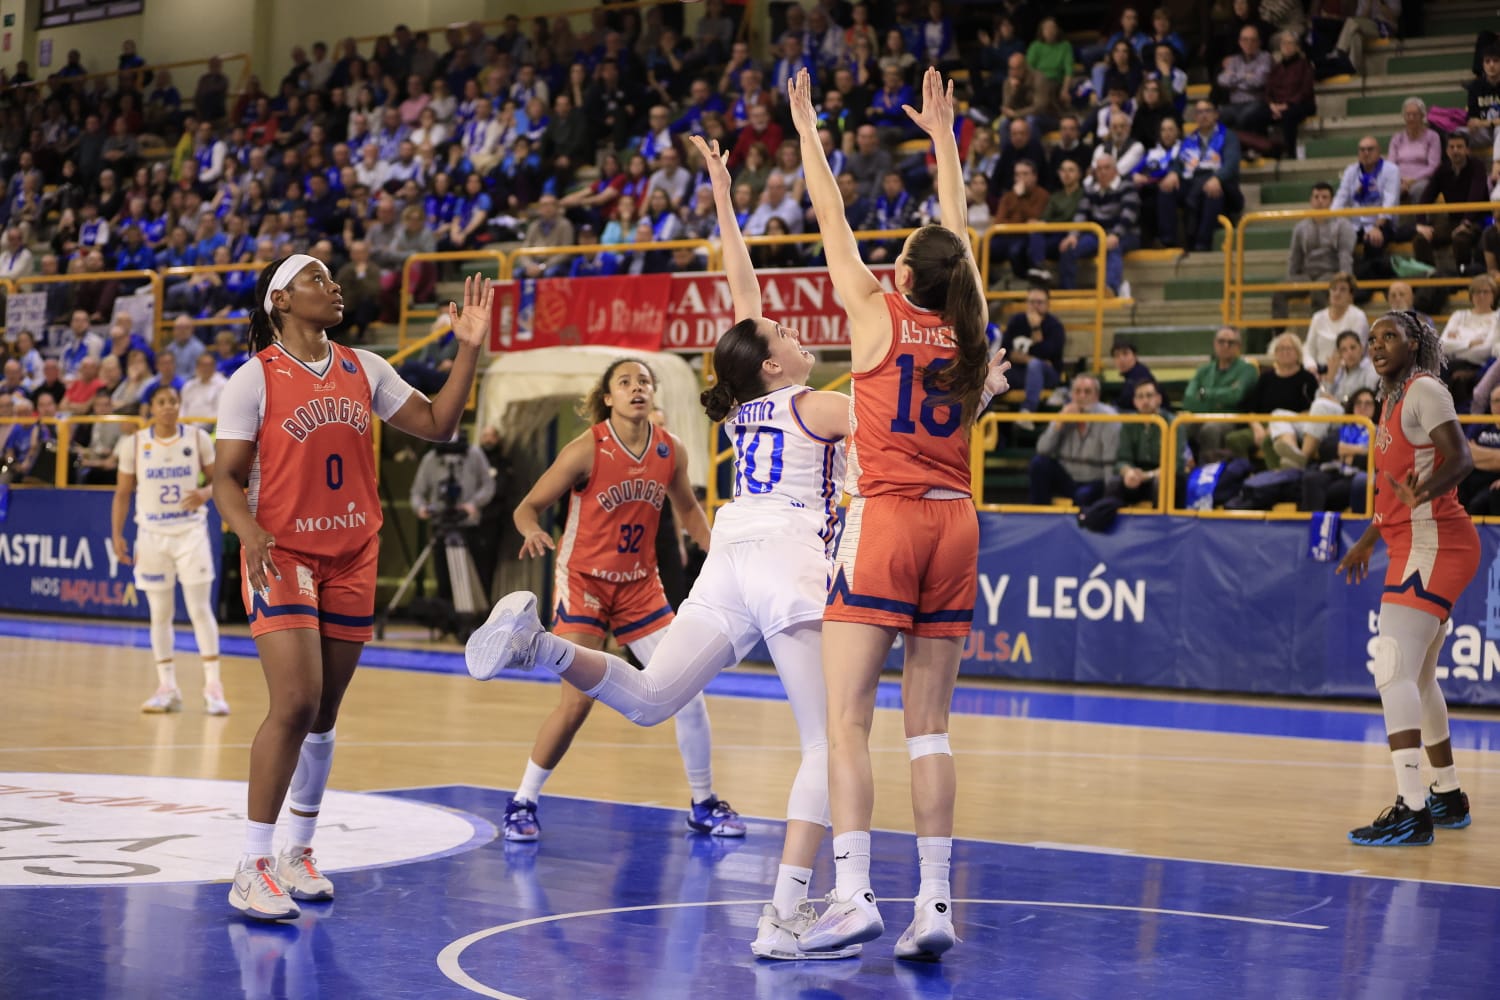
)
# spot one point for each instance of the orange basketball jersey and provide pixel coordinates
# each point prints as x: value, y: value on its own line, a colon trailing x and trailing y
x: 313, y: 483
x: 906, y: 441
x: 612, y: 518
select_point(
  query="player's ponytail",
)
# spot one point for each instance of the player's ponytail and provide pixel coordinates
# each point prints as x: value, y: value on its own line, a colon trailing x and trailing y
x: 738, y: 377
x: 592, y: 407
x: 264, y: 326
x: 943, y: 281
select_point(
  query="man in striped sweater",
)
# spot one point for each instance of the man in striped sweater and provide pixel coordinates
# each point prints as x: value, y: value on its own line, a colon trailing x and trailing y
x: 1116, y: 206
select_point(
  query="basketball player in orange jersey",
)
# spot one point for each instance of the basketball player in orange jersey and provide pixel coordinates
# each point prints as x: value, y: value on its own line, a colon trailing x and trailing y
x: 616, y: 475
x: 295, y: 427
x: 907, y: 559
x: 1421, y: 456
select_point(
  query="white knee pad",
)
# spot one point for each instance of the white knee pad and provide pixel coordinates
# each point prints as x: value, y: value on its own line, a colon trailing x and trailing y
x: 926, y: 746
x: 1385, y: 661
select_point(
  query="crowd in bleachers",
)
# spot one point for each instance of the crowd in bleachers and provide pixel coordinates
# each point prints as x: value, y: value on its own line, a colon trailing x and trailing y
x: 556, y: 133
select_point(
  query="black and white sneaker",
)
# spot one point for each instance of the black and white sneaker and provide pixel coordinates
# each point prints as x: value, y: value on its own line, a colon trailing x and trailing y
x: 1398, y: 826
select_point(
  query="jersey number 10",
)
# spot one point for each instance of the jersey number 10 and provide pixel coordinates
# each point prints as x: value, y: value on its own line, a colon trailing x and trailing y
x: 750, y: 456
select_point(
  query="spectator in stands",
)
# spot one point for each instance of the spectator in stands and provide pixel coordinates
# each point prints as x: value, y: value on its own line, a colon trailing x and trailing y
x: 1150, y: 172
x: 550, y: 229
x: 1321, y: 248
x: 15, y: 259
x: 1069, y: 146
x: 1326, y: 324
x: 229, y: 354
x: 1286, y: 390
x: 1136, y: 475
x: 1153, y: 105
x: 1132, y: 371
x: 51, y: 381
x: 1162, y: 34
x: 1226, y: 34
x: 200, y: 394
x: 1115, y: 206
x: 93, y: 443
x: 1220, y: 386
x: 166, y: 374
x: 1205, y: 181
x: 1028, y: 93
x: 31, y: 446
x: 1416, y: 150
x: 212, y: 92
x: 886, y: 111
x: 78, y: 397
x: 1471, y: 339
x: 773, y: 254
x: 1051, y: 54
x: 1023, y: 145
x: 359, y: 280
x: 469, y: 227
x: 1024, y: 202
x: 1340, y: 482
x: 894, y: 208
x: 25, y: 354
x: 671, y: 177
x: 1121, y: 145
x: 1459, y: 179
x: 1073, y: 458
x: 1480, y: 492
x: 13, y: 382
x: 184, y: 345
x: 1370, y: 182
x: 1352, y: 373
x: 1371, y: 19
x: 127, y: 395
x: 1128, y: 31
x: 774, y: 201
x: 1122, y: 72
x: 1173, y: 78
x: 567, y: 142
x: 1062, y: 206
x: 1484, y: 99
x: 1290, y: 95
x: 1243, y: 77
x: 1034, y: 341
x: 761, y: 129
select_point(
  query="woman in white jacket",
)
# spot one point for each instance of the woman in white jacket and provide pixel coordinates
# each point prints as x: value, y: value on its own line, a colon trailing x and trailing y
x: 1470, y: 340
x: 1320, y: 349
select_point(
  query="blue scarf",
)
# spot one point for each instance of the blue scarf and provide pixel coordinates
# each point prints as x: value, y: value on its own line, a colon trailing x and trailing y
x: 1368, y: 192
x: 1193, y: 154
x: 1159, y: 161
x: 887, y: 211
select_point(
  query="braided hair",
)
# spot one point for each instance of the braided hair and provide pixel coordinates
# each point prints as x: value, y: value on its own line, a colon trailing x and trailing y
x: 1427, y: 349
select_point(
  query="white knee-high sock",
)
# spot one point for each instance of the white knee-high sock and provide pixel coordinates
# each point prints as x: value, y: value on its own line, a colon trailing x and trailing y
x: 933, y: 857
x: 305, y: 795
x: 200, y: 609
x: 162, y: 608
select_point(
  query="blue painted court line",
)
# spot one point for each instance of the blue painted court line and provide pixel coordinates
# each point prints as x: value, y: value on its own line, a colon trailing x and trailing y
x: 617, y: 901
x: 1353, y: 725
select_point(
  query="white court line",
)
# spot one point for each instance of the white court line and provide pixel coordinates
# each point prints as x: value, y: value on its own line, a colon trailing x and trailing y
x: 448, y: 958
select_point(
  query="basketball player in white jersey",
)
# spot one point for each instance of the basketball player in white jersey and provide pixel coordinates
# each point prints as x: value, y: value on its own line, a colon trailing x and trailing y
x: 766, y: 576
x: 161, y: 465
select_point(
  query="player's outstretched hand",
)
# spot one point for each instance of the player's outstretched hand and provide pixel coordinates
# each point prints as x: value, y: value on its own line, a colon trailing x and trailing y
x: 936, y: 116
x: 1355, y: 565
x: 799, y: 98
x: 715, y: 161
x: 996, y: 382
x: 472, y: 325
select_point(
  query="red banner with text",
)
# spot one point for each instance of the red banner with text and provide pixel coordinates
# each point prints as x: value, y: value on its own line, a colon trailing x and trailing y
x: 686, y: 313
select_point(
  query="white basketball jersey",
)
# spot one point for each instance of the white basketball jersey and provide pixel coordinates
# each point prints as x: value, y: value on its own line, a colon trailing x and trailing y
x: 165, y: 470
x: 786, y: 478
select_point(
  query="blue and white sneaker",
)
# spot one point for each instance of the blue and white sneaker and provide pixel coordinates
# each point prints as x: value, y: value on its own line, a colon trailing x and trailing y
x: 520, y: 821
x: 1450, y: 810
x: 1398, y: 826
x: 716, y: 817
x: 507, y: 639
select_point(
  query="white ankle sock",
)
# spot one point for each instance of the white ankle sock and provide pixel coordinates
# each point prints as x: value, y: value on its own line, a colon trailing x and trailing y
x: 257, y: 840
x: 166, y: 675
x: 1445, y: 779
x: 933, y: 855
x: 553, y: 652
x: 791, y: 889
x: 530, y: 788
x: 851, y: 862
x: 1408, y: 767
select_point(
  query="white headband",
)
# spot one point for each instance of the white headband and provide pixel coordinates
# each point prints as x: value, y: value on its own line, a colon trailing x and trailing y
x: 289, y: 269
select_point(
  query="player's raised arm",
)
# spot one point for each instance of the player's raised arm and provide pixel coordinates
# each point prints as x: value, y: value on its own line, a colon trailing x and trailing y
x: 855, y: 284
x: 936, y: 119
x: 744, y: 289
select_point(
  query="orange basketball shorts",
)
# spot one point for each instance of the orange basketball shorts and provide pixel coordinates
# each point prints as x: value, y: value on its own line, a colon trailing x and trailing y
x: 334, y: 595
x: 588, y: 605
x: 908, y: 564
x: 1431, y: 564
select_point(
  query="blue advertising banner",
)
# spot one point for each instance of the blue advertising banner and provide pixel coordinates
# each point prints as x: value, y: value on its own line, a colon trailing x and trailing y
x: 1209, y: 605
x: 55, y: 556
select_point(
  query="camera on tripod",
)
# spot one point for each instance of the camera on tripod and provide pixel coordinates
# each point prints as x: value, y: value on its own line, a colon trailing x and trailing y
x: 452, y: 454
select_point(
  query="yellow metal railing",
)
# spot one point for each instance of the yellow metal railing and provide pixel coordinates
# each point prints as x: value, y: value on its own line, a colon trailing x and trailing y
x: 409, y: 311
x: 1186, y: 419
x: 1059, y: 296
x: 1234, y: 292
x: 150, y: 277
x: 987, y: 436
x: 225, y: 60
